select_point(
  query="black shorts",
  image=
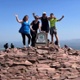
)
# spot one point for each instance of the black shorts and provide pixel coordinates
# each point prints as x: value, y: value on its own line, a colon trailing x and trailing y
x: 45, y: 29
x: 53, y: 31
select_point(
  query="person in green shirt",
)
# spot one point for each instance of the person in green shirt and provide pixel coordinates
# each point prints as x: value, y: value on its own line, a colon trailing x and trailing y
x: 53, y: 30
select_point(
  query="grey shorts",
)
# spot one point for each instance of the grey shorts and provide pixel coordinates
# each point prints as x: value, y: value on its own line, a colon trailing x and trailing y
x: 53, y: 30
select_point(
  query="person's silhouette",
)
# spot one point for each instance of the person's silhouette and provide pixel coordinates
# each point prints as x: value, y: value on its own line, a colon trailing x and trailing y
x: 6, y: 45
x: 12, y: 46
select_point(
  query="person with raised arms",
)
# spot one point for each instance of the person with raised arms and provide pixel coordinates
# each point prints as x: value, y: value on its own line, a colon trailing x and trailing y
x: 25, y: 29
x: 53, y: 30
x: 44, y: 23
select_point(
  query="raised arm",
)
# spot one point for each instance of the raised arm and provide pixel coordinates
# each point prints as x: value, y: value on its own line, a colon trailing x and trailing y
x: 35, y: 16
x: 61, y: 18
x: 20, y: 21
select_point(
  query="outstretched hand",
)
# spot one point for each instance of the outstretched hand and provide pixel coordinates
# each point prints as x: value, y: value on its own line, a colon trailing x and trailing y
x: 16, y: 15
x: 62, y: 16
x: 33, y: 13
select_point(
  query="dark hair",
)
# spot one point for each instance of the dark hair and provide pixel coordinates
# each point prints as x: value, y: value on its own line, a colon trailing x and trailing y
x: 36, y: 17
x: 51, y: 14
x: 24, y: 19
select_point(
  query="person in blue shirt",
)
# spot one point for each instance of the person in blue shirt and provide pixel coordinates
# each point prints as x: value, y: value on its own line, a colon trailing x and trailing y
x: 25, y: 29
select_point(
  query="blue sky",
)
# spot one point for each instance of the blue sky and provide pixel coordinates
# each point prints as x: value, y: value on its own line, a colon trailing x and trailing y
x: 68, y: 28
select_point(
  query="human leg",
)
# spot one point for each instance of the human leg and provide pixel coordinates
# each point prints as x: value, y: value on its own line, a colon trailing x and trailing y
x: 57, y: 39
x: 52, y: 34
x: 52, y: 38
x: 23, y: 39
x: 47, y: 31
x: 29, y: 38
x: 33, y: 40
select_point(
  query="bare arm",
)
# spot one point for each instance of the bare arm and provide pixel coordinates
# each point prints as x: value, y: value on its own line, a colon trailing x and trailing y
x: 50, y: 17
x: 35, y: 16
x: 20, y: 21
x: 39, y: 26
x: 32, y: 28
x: 60, y: 18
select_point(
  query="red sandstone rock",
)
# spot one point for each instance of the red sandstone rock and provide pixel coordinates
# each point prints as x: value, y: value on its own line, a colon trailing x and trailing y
x: 41, y: 63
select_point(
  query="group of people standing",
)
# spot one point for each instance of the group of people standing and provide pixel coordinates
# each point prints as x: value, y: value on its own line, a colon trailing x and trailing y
x: 30, y: 29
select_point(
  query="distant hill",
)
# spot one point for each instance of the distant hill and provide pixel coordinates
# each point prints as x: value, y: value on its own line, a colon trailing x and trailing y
x: 74, y: 43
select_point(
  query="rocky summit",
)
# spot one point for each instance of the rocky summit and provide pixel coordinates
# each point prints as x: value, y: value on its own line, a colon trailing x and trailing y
x: 40, y: 63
